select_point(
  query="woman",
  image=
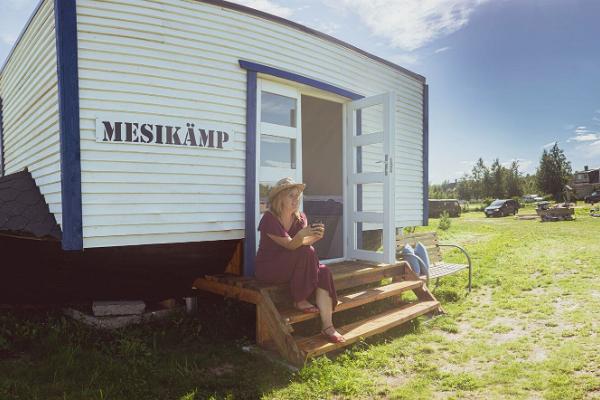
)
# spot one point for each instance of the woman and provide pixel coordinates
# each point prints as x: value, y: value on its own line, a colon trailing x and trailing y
x: 285, y: 254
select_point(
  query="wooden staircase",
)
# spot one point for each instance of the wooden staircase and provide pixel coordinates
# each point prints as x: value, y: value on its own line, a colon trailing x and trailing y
x: 358, y: 284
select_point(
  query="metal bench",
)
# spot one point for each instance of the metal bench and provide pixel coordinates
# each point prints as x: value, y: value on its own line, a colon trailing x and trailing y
x: 438, y: 267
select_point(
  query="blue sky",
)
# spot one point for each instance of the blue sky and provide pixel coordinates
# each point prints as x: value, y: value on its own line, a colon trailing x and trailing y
x: 507, y: 77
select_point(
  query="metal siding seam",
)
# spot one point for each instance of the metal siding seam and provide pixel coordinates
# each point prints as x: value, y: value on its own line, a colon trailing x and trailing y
x: 425, y: 155
x: 68, y: 99
x: 1, y: 142
x: 250, y: 223
x: 290, y: 76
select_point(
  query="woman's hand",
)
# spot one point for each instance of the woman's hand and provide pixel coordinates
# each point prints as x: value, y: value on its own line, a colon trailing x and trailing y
x: 312, y: 230
x: 305, y: 237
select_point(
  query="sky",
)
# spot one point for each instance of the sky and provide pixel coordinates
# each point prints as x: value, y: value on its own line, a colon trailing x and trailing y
x: 507, y: 78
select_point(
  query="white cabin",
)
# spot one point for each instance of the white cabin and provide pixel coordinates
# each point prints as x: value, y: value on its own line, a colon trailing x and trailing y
x: 165, y: 121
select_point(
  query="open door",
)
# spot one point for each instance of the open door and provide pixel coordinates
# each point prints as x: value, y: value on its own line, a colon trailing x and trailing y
x: 370, y: 172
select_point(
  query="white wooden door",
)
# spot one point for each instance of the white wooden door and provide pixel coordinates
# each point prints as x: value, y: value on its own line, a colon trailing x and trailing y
x: 279, y: 149
x: 370, y: 172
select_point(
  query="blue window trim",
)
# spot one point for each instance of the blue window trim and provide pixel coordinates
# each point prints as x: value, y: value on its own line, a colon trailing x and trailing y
x: 65, y: 18
x: 425, y: 155
x: 290, y: 76
x: 1, y: 141
x: 252, y: 69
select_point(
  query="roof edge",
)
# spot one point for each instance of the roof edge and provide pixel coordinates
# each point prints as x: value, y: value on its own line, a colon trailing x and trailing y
x: 305, y: 29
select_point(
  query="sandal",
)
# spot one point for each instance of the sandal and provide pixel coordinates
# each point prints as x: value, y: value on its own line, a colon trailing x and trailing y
x: 333, y: 338
x: 307, y: 310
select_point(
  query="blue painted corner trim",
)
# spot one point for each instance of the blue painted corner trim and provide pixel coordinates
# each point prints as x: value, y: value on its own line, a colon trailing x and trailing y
x: 65, y: 18
x: 250, y: 241
x: 264, y: 69
x: 1, y: 142
x: 425, y: 155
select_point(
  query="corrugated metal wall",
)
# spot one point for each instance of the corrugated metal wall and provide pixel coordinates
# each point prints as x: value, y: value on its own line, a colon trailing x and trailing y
x: 179, y: 59
x: 29, y: 91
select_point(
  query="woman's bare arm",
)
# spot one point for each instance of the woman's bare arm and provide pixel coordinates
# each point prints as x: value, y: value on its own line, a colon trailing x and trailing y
x: 304, y: 237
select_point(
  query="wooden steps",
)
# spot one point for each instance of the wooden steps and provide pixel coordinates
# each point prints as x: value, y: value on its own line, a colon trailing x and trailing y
x: 318, y: 344
x: 276, y: 318
x: 346, y: 302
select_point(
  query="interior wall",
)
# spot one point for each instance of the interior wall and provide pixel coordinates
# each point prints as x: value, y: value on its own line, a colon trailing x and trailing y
x: 322, y: 147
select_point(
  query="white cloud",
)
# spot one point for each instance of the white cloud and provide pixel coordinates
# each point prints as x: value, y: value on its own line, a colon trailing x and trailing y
x: 267, y: 6
x: 20, y: 5
x: 588, y: 137
x: 441, y: 50
x: 411, y: 24
x: 327, y: 27
x: 548, y: 145
x: 403, y: 59
x: 8, y: 38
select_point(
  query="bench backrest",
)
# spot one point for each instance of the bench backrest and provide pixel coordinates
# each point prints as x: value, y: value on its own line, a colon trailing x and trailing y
x: 428, y: 239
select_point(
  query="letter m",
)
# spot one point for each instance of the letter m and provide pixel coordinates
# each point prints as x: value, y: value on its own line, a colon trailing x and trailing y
x: 112, y: 133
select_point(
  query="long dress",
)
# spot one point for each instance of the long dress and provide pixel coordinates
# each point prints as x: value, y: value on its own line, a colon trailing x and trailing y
x: 300, y: 267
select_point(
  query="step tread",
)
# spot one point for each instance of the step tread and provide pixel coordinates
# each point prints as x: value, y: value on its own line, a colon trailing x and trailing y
x: 352, y: 300
x: 318, y: 344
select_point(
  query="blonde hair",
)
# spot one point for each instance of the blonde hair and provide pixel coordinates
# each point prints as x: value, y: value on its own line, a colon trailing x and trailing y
x: 276, y: 204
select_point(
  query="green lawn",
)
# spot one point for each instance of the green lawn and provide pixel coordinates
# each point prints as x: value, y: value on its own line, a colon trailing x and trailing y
x: 529, y: 330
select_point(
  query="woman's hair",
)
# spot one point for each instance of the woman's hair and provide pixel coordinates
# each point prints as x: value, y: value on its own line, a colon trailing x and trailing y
x: 276, y: 205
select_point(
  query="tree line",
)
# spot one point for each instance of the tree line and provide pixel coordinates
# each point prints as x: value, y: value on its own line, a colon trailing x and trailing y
x: 500, y: 182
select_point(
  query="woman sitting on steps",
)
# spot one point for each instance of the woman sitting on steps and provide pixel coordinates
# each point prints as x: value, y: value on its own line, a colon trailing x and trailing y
x: 285, y: 254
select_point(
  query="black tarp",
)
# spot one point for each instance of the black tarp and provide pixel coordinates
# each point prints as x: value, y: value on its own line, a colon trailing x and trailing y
x: 23, y: 209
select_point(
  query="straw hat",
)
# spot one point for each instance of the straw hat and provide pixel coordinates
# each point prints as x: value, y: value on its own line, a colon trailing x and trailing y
x: 284, y: 184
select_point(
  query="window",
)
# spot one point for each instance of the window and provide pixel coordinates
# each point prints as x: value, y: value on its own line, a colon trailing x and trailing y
x: 277, y: 109
x: 279, y: 152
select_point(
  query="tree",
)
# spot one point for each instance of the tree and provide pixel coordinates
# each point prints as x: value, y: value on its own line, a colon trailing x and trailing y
x: 513, y: 181
x: 497, y: 178
x: 554, y: 171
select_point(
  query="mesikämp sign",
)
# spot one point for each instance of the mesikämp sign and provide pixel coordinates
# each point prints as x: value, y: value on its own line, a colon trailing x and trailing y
x: 119, y: 128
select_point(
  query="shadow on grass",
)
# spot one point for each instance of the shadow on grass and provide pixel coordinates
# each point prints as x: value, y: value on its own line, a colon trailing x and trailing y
x: 46, y: 355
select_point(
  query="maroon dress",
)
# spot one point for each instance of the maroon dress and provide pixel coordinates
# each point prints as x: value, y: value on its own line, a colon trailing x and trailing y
x: 300, y: 267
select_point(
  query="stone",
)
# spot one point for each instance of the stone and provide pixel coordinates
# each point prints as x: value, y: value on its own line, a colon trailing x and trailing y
x: 112, y: 308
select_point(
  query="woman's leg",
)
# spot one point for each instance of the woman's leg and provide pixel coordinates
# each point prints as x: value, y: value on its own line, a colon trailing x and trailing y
x: 323, y: 301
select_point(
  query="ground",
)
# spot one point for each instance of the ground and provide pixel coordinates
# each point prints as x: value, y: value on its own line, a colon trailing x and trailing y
x: 529, y: 330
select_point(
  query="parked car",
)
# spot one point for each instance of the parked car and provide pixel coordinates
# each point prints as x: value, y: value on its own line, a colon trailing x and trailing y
x: 501, y: 208
x: 438, y: 206
x: 530, y: 198
x: 593, y: 198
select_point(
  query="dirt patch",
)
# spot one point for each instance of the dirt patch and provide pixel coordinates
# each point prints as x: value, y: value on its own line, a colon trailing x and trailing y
x: 538, y: 354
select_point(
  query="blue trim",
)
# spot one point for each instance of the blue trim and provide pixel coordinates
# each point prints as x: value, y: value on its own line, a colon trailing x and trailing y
x: 68, y: 100
x: 250, y: 241
x: 290, y: 76
x: 359, y: 188
x: 1, y: 142
x: 12, y: 50
x: 425, y: 155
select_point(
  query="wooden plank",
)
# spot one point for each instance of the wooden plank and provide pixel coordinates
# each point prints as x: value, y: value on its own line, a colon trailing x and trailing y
x: 368, y: 276
x: 262, y: 327
x: 356, y: 299
x: 223, y: 289
x: 280, y: 331
x: 316, y: 345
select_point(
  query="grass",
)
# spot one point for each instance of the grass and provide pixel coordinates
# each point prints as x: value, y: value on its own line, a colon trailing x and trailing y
x: 529, y: 330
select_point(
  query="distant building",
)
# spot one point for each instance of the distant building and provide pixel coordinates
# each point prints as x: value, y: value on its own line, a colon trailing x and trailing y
x: 585, y: 182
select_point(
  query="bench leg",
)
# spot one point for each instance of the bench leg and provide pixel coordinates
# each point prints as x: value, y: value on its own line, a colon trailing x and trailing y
x: 262, y: 329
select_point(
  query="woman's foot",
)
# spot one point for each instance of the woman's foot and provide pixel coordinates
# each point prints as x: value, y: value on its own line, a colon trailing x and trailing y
x: 332, y: 335
x: 306, y: 307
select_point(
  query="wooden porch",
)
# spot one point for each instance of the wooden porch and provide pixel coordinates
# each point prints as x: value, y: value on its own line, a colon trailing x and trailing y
x: 357, y: 283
